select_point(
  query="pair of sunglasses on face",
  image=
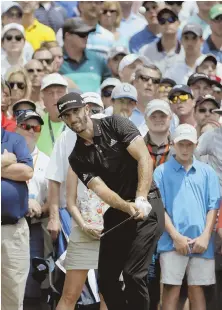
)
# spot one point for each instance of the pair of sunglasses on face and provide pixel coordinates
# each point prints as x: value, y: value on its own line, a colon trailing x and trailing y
x: 81, y: 35
x: 146, y: 78
x: 106, y: 93
x: 14, y: 14
x: 170, y: 20
x: 181, y: 97
x: 9, y: 37
x: 218, y: 19
x: 204, y: 110
x: 27, y: 127
x: 104, y: 12
x: 20, y: 85
x: 179, y: 3
x: 163, y: 88
x: 48, y: 61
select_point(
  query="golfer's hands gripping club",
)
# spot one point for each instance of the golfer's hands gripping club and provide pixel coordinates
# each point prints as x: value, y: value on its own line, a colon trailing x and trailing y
x: 132, y: 210
x: 143, y: 205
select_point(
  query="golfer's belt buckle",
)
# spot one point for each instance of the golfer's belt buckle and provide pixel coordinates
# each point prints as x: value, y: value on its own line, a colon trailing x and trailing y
x: 153, y: 195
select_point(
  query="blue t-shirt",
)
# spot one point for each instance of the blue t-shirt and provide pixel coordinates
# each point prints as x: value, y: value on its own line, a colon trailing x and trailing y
x: 14, y: 198
x: 187, y: 197
x: 208, y: 47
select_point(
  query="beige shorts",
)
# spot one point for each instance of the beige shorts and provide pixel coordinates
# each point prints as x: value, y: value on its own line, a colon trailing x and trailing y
x: 200, y: 271
x: 15, y: 263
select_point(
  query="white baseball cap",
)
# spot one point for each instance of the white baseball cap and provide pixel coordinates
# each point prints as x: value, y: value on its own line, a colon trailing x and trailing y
x: 157, y: 105
x: 202, y: 58
x: 13, y: 26
x: 7, y: 5
x: 109, y: 82
x: 53, y: 79
x: 91, y: 97
x: 185, y: 132
x: 129, y: 59
x: 124, y: 90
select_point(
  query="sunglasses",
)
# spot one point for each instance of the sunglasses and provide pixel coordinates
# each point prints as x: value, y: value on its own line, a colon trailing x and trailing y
x: 20, y: 85
x: 163, y: 88
x: 147, y: 78
x: 182, y: 98
x: 171, y: 20
x: 19, y: 112
x: 104, y: 12
x: 9, y: 37
x: 154, y: 7
x: 187, y: 38
x: 95, y: 111
x: 27, y: 127
x: 179, y: 3
x: 106, y: 93
x: 204, y: 110
x: 34, y: 70
x: 48, y: 61
x: 218, y: 18
x: 14, y: 15
x: 82, y: 35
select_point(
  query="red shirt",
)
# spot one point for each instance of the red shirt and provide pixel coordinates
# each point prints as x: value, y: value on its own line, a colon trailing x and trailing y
x: 8, y: 124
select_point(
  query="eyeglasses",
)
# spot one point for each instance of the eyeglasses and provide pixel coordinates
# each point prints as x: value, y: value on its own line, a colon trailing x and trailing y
x: 171, y: 20
x: 34, y: 70
x: 20, y: 85
x: 179, y: 3
x: 82, y: 35
x: 19, y: 112
x: 163, y: 88
x: 204, y: 110
x: 27, y: 127
x: 48, y: 61
x: 218, y: 19
x: 182, y: 98
x: 104, y: 12
x: 154, y: 7
x: 147, y: 78
x: 106, y: 93
x: 95, y: 111
x: 14, y: 14
x: 9, y: 37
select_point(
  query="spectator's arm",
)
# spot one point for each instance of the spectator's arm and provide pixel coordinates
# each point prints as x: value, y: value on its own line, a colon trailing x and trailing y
x: 17, y: 172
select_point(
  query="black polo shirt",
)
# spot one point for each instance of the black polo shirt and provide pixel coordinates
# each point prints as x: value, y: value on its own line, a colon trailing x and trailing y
x: 108, y: 157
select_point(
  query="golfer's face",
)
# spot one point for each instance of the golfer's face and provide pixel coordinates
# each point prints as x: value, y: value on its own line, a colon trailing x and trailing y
x: 76, y: 119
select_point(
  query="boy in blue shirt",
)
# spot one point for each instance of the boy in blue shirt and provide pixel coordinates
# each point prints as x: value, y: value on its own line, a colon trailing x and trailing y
x: 191, y: 193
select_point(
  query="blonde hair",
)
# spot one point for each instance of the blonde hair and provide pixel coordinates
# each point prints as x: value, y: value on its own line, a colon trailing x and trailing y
x: 49, y: 44
x: 18, y: 69
x: 108, y: 4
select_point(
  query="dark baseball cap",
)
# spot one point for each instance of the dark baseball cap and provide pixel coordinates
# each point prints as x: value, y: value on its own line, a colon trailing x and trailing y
x: 70, y: 101
x: 166, y: 10
x: 183, y: 89
x: 197, y: 77
x: 202, y: 99
x: 77, y: 25
x: 25, y: 101
x: 168, y: 81
x: 29, y: 115
x: 193, y: 28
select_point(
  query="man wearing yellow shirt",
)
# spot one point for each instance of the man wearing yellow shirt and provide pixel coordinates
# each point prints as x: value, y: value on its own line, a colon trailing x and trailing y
x: 35, y: 32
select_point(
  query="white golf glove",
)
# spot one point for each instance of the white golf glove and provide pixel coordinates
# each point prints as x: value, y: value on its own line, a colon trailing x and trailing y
x: 143, y: 205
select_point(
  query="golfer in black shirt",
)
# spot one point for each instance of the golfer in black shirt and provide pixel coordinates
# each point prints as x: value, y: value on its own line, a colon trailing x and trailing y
x: 111, y: 158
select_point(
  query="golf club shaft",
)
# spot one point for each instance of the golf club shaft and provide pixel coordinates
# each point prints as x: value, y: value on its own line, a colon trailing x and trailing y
x: 128, y: 219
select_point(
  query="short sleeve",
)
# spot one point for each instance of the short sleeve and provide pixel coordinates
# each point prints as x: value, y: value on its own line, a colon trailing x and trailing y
x: 158, y: 178
x: 21, y: 151
x: 80, y: 169
x: 125, y: 130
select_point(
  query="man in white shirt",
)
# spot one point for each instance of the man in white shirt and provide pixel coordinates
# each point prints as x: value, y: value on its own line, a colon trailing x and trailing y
x: 191, y: 42
x: 167, y: 50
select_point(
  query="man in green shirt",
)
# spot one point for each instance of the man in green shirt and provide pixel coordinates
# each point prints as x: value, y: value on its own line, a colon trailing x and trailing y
x: 83, y: 66
x: 53, y: 87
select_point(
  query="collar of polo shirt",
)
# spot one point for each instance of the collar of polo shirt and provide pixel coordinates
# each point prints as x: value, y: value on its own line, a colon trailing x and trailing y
x: 161, y: 49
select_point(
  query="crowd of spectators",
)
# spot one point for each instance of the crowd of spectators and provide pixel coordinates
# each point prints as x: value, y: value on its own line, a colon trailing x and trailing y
x: 157, y: 63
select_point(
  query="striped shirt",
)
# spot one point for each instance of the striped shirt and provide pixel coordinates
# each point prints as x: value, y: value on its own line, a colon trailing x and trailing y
x: 210, y: 143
